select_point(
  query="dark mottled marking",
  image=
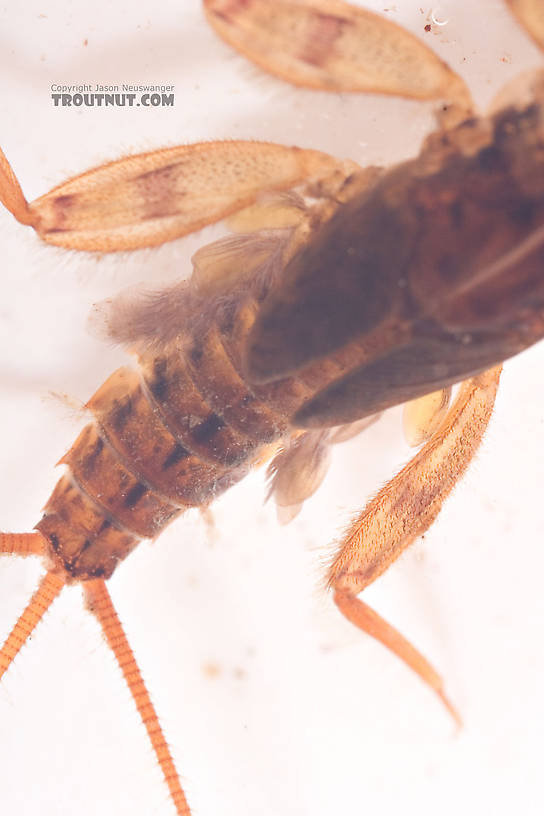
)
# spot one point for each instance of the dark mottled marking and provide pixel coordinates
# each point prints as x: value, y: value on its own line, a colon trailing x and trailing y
x: 54, y: 541
x: 195, y: 354
x: 447, y: 267
x: 491, y: 159
x: 177, y: 453
x: 325, y: 30
x: 523, y: 212
x: 121, y: 413
x: 62, y: 205
x: 457, y: 212
x: 89, y: 461
x: 226, y: 322
x: 159, y: 384
x: 65, y: 201
x: 509, y: 123
x: 420, y: 501
x: 158, y: 192
x: 153, y: 175
x: 367, y: 575
x: 134, y: 495
x: 204, y: 431
x: 86, y: 544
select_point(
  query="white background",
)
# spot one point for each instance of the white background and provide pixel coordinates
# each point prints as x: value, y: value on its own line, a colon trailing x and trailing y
x: 271, y: 702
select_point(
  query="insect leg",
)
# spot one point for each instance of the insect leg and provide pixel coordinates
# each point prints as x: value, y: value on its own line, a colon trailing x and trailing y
x: 365, y: 618
x: 403, y: 510
x: 147, y: 199
x: 11, y: 194
x: 100, y: 603
x: 531, y: 16
x: 334, y: 47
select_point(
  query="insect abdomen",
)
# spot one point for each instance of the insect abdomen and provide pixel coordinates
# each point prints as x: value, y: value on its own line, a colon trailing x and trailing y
x: 171, y: 436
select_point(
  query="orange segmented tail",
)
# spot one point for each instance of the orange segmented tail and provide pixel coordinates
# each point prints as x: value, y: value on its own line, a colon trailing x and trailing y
x: 22, y: 544
x: 100, y: 603
x: 48, y: 589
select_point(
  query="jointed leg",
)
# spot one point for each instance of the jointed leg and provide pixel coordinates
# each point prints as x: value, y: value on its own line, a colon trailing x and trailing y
x: 404, y: 509
x: 11, y: 194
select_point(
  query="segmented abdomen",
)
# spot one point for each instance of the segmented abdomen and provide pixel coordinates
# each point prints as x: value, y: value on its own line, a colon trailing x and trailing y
x: 172, y: 435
